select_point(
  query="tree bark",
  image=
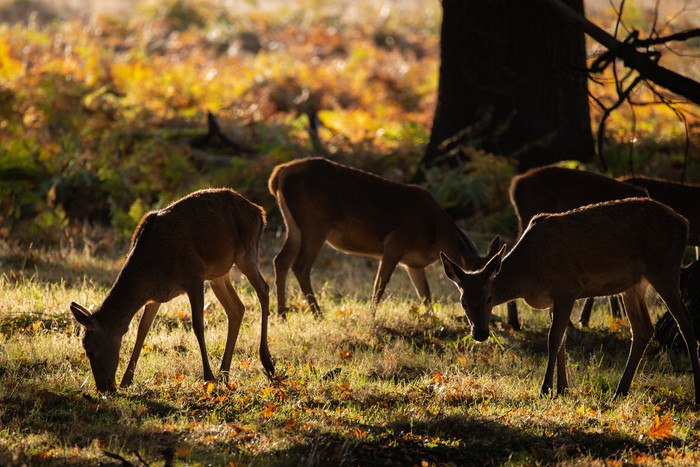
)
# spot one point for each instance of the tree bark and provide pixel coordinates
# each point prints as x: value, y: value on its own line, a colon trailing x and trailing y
x: 517, y: 72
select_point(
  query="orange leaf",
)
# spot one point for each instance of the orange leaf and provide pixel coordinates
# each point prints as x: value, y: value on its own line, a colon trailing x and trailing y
x: 291, y: 425
x: 661, y: 428
x: 358, y: 433
x: 183, y: 449
x: 269, y: 410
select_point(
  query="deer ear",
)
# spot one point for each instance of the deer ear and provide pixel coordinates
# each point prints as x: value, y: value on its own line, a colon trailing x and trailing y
x: 494, y: 246
x: 82, y: 315
x: 494, y: 265
x: 452, y: 270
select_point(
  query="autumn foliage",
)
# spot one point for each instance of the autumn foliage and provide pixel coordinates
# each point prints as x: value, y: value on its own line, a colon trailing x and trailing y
x: 97, y: 120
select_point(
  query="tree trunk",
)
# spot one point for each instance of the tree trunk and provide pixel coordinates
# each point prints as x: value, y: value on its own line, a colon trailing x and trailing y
x: 518, y: 72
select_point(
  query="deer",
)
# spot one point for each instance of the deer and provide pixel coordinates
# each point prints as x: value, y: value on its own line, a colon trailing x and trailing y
x: 620, y: 246
x: 553, y: 189
x: 174, y: 251
x: 684, y: 198
x: 360, y: 213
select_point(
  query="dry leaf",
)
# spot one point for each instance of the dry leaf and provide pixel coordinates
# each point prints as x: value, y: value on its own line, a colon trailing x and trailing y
x: 183, y: 449
x: 661, y: 428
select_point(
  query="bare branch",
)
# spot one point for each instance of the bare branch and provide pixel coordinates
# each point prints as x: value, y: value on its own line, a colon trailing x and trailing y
x: 679, y: 37
x: 632, y: 58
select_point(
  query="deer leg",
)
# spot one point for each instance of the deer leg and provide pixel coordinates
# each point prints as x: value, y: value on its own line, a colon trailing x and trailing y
x: 386, y: 267
x: 250, y: 269
x: 513, y: 320
x: 196, y: 294
x: 420, y: 283
x: 310, y: 248
x: 586, y: 312
x: 149, y: 314
x: 616, y: 306
x: 234, y: 312
x: 561, y: 312
x: 283, y: 261
x: 685, y: 324
x: 562, y: 380
x: 642, y: 331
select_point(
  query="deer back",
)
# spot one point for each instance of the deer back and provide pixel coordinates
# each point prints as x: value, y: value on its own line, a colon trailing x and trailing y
x: 202, y: 233
x: 596, y: 250
x: 360, y: 210
x: 681, y: 197
x: 556, y: 189
x: 196, y: 238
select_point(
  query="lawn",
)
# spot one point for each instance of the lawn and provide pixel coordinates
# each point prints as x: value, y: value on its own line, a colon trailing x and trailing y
x: 408, y: 386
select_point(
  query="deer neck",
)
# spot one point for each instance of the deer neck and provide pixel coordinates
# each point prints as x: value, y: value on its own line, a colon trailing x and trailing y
x: 462, y: 249
x: 505, y: 285
x: 123, y: 301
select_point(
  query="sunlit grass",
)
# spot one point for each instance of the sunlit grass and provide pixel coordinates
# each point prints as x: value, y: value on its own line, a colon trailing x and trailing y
x: 351, y: 389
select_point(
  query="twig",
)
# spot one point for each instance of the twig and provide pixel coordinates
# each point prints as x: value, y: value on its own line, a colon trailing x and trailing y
x: 215, y: 131
x: 623, y: 96
x: 681, y: 116
x: 24, y: 376
x: 314, y: 123
x: 117, y: 457
x: 141, y: 458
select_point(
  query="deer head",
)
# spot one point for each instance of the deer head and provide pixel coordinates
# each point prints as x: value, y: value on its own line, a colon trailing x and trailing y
x: 475, y: 288
x: 101, y: 348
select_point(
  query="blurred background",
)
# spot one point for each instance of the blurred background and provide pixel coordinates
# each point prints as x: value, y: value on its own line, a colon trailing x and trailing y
x: 109, y: 109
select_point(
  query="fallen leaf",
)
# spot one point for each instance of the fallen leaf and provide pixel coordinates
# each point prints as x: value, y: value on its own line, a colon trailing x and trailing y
x: 183, y: 449
x: 661, y: 428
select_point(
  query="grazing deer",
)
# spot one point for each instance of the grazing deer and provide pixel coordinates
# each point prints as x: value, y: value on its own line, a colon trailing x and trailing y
x: 363, y: 214
x: 684, y: 198
x: 554, y: 189
x: 602, y: 249
x: 173, y: 251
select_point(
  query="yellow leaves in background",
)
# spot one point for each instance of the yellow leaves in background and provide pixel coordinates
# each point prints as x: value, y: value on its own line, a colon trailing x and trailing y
x: 10, y: 67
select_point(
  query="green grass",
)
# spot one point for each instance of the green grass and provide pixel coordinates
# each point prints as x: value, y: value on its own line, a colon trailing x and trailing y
x: 410, y: 387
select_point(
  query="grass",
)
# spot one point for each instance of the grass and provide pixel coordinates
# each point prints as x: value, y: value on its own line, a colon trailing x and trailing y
x: 410, y: 387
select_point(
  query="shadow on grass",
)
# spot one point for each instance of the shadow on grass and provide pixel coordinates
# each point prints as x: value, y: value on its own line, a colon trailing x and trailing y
x: 115, y: 425
x: 84, y: 421
x: 42, y: 268
x: 462, y: 440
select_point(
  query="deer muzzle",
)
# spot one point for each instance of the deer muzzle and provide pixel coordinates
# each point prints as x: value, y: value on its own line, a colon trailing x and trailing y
x: 106, y: 385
